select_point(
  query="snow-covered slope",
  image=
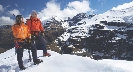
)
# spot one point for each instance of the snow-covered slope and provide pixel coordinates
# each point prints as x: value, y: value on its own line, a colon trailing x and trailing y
x: 62, y: 63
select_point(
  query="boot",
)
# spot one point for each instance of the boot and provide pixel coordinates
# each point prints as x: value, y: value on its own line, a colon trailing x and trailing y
x: 38, y: 61
x: 22, y: 68
x: 47, y: 54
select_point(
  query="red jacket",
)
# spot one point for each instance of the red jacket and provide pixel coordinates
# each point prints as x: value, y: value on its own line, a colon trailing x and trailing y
x: 34, y: 25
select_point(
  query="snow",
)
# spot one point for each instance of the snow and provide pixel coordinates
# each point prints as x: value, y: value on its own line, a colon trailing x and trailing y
x: 63, y: 63
x: 49, y: 18
x: 125, y: 5
x: 64, y: 36
x: 73, y: 63
x: 65, y: 25
x: 122, y: 13
x: 119, y: 63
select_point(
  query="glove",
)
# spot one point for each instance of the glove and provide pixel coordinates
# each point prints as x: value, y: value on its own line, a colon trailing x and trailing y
x: 28, y: 40
x: 33, y: 37
x: 42, y: 34
x: 16, y: 45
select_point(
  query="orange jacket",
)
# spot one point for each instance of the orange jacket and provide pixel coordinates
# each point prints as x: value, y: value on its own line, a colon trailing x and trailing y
x: 20, y: 32
x: 34, y: 25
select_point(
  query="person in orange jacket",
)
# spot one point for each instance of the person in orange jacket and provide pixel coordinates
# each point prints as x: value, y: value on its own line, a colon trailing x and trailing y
x: 35, y: 26
x: 21, y: 37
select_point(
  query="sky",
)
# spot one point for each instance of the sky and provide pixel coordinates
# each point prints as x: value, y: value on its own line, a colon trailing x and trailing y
x: 60, y: 8
x: 62, y: 63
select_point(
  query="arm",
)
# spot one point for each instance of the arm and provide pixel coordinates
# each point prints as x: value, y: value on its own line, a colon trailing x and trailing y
x: 28, y: 33
x: 14, y: 31
x: 28, y: 23
x: 41, y: 27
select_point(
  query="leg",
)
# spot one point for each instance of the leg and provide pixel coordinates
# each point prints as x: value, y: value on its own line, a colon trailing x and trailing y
x: 19, y: 57
x: 44, y: 48
x: 42, y: 43
x: 34, y: 51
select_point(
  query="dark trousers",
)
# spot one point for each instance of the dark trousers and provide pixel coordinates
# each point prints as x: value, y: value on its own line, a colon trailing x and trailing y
x: 20, y: 52
x: 41, y: 44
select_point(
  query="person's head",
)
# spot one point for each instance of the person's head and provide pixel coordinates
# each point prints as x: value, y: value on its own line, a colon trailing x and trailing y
x: 19, y: 19
x: 34, y: 14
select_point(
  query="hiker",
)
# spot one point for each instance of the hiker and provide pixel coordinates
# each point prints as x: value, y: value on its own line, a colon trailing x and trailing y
x: 22, y: 38
x: 36, y: 29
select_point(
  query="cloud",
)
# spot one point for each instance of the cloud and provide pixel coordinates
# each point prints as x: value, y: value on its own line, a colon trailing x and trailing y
x: 16, y: 5
x: 14, y: 11
x: 124, y: 6
x: 79, y: 6
x: 7, y: 6
x: 102, y: 2
x: 22, y: 9
x: 54, y: 9
x: 1, y: 8
x: 72, y: 8
x: 6, y: 20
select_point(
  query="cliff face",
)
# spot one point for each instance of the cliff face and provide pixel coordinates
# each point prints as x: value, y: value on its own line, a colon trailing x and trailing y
x: 6, y: 38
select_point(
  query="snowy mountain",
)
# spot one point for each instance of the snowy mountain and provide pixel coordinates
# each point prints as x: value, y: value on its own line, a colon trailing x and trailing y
x: 52, y: 19
x: 109, y: 33
x: 62, y: 63
x: 116, y: 15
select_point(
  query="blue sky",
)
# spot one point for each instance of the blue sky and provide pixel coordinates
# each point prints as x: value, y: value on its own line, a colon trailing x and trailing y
x: 24, y: 7
x: 109, y: 4
x: 38, y: 5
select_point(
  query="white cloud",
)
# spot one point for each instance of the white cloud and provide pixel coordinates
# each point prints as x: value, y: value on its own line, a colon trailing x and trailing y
x: 6, y: 21
x: 15, y: 12
x: 8, y: 6
x: 1, y: 8
x: 22, y: 9
x: 124, y: 6
x: 80, y: 6
x: 54, y: 9
x: 73, y: 8
x: 16, y: 5
x: 102, y: 2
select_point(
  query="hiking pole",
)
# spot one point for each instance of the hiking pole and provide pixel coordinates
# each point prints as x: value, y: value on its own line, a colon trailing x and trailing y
x: 29, y: 55
x: 29, y: 52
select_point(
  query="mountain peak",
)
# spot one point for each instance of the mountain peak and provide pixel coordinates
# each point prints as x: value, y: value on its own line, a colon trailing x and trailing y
x: 124, y: 6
